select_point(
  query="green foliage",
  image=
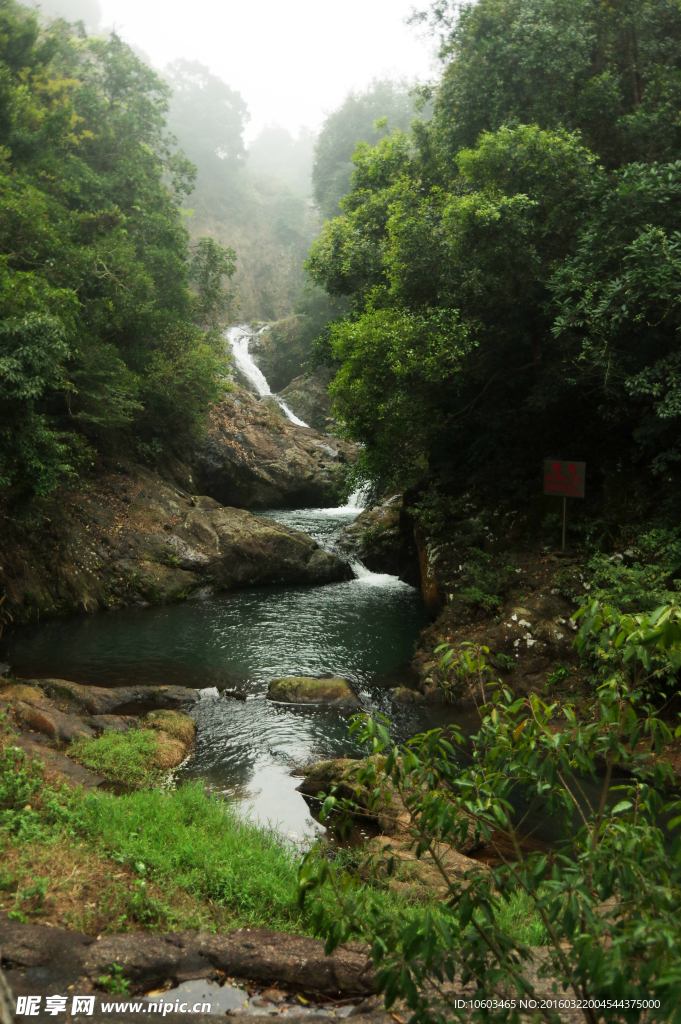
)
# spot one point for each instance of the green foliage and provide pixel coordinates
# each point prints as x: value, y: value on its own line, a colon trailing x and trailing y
x: 114, y: 982
x: 610, y: 71
x: 363, y: 117
x: 538, y: 210
x: 644, y: 578
x: 130, y: 757
x: 100, y: 335
x: 559, y: 675
x: 642, y: 649
x: 609, y: 899
x: 395, y: 366
x: 262, y: 215
x: 20, y: 781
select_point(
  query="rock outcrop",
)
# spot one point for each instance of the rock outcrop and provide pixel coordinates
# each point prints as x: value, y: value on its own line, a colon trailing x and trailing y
x: 391, y: 817
x: 252, y: 456
x: 308, y: 690
x: 383, y: 538
x: 148, y: 960
x: 308, y: 397
x: 48, y: 715
x: 132, y: 537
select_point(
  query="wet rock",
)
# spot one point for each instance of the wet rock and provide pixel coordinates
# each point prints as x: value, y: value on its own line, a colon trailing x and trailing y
x: 112, y: 723
x: 308, y: 690
x: 51, y: 722
x: 383, y: 538
x: 253, y: 457
x: 136, y: 538
x: 405, y: 695
x: 66, y: 770
x: 308, y: 397
x: 232, y: 694
x: 101, y: 700
x: 390, y: 814
x: 273, y: 995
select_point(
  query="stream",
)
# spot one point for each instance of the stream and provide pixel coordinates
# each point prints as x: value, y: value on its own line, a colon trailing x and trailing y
x: 364, y: 630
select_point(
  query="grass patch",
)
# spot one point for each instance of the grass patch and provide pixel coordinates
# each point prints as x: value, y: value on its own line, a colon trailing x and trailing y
x: 139, y: 757
x: 156, y: 860
x: 519, y: 918
x: 160, y: 861
x: 60, y: 882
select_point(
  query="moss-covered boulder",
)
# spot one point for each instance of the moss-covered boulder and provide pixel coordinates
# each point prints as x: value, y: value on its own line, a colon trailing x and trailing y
x: 308, y: 690
x: 179, y: 727
x: 140, y: 757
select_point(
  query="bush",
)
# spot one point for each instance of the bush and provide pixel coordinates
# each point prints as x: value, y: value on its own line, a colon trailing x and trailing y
x: 609, y: 898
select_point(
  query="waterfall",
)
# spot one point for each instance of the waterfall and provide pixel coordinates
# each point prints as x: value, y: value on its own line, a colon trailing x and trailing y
x: 238, y: 339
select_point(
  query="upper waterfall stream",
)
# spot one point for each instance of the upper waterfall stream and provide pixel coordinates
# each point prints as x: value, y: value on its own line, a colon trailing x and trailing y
x: 239, y: 339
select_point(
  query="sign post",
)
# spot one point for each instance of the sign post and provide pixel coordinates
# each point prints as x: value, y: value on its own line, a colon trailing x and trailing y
x: 565, y: 480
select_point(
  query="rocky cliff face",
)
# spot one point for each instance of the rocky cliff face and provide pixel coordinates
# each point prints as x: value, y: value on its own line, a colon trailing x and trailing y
x: 131, y: 537
x: 253, y: 457
x: 309, y: 398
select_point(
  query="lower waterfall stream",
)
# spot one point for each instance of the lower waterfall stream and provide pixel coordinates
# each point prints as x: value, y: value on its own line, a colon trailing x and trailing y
x: 364, y: 630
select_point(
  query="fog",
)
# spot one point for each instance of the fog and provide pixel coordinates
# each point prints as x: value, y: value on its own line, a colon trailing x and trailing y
x: 291, y: 61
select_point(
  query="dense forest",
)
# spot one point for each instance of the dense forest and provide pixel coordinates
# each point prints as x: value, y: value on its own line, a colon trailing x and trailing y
x: 109, y: 317
x: 486, y: 270
x: 513, y: 263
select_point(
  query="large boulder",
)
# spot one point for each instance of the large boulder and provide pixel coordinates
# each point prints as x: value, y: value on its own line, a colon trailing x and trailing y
x: 104, y: 701
x: 133, y: 537
x: 308, y: 690
x: 34, y: 712
x: 252, y: 456
x: 308, y: 397
x: 383, y: 538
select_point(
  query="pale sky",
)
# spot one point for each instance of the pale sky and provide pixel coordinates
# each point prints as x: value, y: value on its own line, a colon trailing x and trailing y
x: 293, y: 61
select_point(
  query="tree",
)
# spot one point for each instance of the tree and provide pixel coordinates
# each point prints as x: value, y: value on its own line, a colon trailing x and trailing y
x: 545, y: 222
x: 206, y: 114
x: 608, y: 897
x: 611, y: 71
x: 363, y: 117
x: 97, y: 318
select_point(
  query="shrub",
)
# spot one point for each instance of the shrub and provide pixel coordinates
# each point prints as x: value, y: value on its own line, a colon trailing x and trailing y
x: 609, y: 898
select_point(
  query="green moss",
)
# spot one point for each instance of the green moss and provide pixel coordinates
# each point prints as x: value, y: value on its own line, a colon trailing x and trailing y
x: 308, y: 690
x: 173, y: 723
x: 133, y: 757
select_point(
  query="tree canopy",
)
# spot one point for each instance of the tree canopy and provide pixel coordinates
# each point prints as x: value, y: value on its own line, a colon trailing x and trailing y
x: 513, y: 264
x: 107, y: 317
x: 363, y: 117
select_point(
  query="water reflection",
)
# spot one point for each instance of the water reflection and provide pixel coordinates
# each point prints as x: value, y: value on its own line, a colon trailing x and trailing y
x: 364, y: 630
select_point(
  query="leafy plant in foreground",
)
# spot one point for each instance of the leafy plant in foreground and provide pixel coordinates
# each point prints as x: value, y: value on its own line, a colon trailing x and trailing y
x: 609, y: 896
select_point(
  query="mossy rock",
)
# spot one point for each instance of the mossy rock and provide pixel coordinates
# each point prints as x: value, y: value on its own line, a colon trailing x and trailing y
x: 138, y: 758
x: 173, y: 723
x: 307, y: 690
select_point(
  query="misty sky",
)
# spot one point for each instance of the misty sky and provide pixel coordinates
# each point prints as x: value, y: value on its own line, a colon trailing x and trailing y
x: 291, y: 60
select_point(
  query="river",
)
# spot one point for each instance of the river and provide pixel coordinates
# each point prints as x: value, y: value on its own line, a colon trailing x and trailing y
x: 364, y: 630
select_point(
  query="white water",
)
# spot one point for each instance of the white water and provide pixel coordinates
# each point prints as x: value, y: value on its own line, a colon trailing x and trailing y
x: 307, y: 520
x: 239, y: 338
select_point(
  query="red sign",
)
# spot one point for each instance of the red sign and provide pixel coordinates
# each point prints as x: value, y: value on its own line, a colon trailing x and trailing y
x: 566, y: 479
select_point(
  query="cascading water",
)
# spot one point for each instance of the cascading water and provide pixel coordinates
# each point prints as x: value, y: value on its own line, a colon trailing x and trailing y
x: 363, y: 630
x: 239, y: 339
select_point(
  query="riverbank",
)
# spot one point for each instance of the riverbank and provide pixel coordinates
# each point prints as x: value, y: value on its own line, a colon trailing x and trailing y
x: 152, y: 860
x: 129, y: 536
